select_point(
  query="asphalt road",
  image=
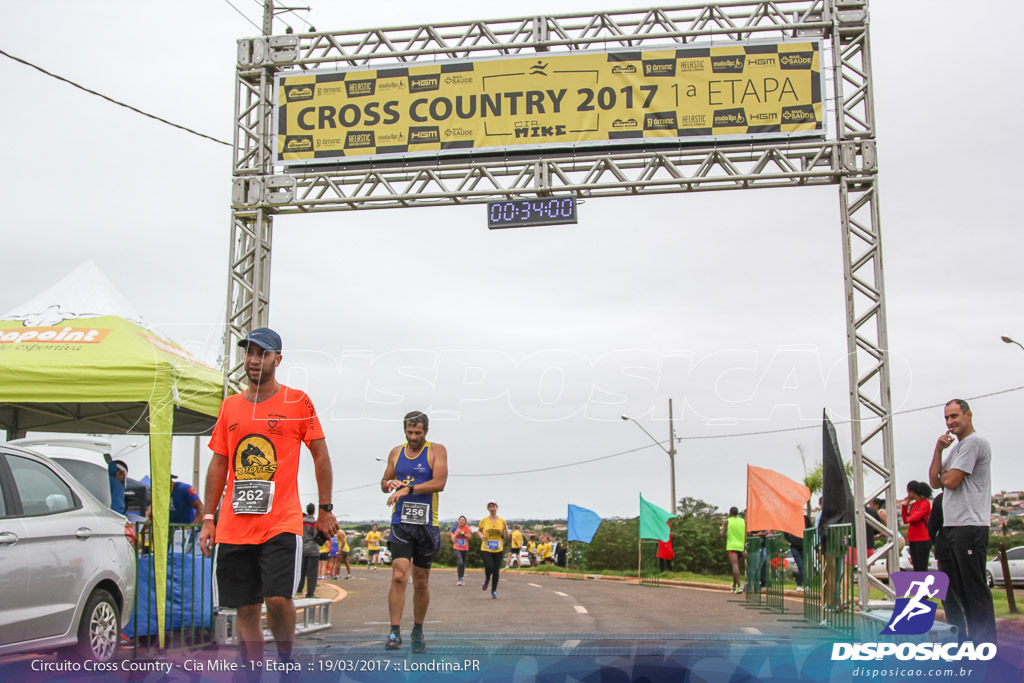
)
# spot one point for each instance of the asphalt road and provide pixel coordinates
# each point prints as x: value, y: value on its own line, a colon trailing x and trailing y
x: 531, y: 603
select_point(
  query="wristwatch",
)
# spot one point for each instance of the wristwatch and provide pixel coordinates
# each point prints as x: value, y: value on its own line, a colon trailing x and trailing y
x: 327, y: 507
x: 412, y: 488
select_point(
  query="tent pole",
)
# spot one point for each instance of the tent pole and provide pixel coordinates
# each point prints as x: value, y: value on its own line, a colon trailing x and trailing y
x: 14, y: 432
x: 195, y: 463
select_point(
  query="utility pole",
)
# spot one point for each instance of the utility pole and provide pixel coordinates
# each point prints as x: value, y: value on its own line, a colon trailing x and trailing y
x: 670, y: 451
x: 268, y: 17
x: 672, y: 454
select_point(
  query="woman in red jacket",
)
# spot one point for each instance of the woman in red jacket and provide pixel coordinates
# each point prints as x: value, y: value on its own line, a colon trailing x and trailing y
x: 916, y: 509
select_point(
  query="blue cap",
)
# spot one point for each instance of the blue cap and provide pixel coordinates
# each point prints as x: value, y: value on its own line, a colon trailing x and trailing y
x: 264, y: 337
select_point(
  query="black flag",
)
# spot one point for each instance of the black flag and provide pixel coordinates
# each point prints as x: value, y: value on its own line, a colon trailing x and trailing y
x: 836, y: 499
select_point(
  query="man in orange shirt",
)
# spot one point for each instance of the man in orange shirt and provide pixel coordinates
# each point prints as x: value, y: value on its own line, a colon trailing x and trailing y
x: 256, y: 444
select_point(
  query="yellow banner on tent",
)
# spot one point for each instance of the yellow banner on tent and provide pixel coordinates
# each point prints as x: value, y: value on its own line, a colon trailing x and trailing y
x: 582, y: 99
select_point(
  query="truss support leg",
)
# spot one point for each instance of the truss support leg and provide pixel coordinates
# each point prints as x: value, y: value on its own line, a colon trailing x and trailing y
x: 248, y: 282
x: 868, y: 358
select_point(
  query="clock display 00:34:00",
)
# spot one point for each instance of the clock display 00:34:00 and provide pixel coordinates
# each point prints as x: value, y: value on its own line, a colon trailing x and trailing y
x: 531, y: 212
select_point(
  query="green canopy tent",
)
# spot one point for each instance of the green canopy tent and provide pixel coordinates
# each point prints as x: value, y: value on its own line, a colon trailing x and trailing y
x: 70, y: 363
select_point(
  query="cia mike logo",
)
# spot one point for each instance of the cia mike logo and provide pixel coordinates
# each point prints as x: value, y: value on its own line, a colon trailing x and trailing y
x: 915, y: 611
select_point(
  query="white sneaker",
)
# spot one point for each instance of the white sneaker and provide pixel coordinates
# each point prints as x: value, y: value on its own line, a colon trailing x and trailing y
x: 800, y: 588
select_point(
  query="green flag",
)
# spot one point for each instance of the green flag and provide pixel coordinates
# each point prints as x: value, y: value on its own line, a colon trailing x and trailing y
x: 652, y: 521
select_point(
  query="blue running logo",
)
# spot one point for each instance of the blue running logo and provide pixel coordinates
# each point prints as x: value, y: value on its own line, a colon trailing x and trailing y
x: 915, y: 611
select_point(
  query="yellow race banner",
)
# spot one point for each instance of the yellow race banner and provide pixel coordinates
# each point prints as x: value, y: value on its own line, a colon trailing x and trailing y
x: 585, y: 99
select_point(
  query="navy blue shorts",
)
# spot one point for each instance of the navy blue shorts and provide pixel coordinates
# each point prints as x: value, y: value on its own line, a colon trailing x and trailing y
x: 418, y: 542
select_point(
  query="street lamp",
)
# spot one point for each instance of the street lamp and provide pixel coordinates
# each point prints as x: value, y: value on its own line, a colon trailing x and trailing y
x: 670, y: 451
x: 1011, y: 341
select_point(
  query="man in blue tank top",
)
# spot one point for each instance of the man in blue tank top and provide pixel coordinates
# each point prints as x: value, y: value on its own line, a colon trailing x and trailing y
x: 416, y: 473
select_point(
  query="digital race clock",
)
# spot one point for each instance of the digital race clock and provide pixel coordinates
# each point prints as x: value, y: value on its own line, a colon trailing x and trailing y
x: 521, y: 213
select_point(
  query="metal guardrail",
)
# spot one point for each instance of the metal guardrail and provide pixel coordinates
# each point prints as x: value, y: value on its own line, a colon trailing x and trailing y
x: 776, y: 546
x: 755, y: 560
x: 574, y: 560
x: 828, y: 578
x: 649, y: 566
x: 812, y: 576
x: 188, y: 616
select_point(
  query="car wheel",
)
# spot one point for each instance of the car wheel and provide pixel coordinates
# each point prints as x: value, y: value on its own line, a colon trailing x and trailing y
x: 99, y: 630
x: 988, y: 575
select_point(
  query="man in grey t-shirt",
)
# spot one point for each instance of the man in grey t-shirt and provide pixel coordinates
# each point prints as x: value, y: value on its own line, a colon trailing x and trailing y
x: 966, y: 476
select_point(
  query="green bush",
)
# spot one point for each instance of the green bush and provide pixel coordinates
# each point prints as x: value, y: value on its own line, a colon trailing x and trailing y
x: 696, y: 540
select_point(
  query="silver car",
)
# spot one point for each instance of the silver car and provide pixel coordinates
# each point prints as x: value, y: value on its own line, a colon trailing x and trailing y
x: 67, y: 562
x: 1014, y: 560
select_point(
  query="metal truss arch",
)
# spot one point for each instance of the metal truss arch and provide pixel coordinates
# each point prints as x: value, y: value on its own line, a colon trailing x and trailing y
x: 846, y: 159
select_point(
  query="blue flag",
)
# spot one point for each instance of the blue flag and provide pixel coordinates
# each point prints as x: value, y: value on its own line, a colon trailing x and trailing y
x: 583, y: 524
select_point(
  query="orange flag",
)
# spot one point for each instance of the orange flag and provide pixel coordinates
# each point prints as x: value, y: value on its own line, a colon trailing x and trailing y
x: 775, y: 501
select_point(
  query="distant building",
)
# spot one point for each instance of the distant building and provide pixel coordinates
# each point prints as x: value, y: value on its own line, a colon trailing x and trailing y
x: 1006, y: 505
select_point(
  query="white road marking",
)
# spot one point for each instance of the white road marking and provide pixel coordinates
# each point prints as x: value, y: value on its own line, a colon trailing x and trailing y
x: 580, y: 609
x: 564, y: 595
x: 751, y: 630
x: 571, y: 643
x: 535, y: 585
x: 374, y: 623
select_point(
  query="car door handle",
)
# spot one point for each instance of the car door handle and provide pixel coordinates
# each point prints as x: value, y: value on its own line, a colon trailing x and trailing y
x: 7, y: 538
x: 84, y: 533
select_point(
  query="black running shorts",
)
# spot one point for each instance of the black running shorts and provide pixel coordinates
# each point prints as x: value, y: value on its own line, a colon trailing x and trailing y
x: 419, y: 542
x: 246, y: 574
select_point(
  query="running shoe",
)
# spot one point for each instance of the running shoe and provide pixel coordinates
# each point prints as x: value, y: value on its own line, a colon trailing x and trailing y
x: 348, y: 576
x: 394, y: 642
x: 494, y: 595
x: 418, y: 645
x: 484, y: 586
x: 461, y: 583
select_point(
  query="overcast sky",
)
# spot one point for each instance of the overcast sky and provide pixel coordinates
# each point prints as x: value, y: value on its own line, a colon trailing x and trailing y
x: 525, y: 346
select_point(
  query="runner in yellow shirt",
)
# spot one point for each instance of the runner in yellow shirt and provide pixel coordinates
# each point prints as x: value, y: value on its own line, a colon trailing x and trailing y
x: 493, y: 532
x: 325, y: 559
x: 373, y: 548
x: 515, y: 546
x: 544, y: 550
x: 343, y: 552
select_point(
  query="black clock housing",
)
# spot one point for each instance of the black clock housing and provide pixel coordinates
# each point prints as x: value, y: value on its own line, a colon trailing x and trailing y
x: 521, y: 213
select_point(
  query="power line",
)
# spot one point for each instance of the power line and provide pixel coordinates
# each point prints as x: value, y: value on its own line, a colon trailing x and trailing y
x: 278, y: 11
x: 258, y: 27
x: 111, y: 100
x: 690, y: 438
x: 840, y: 422
x: 555, y: 467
